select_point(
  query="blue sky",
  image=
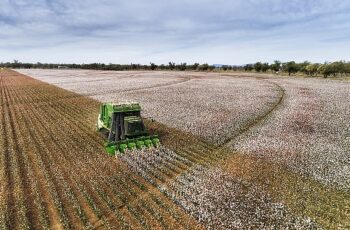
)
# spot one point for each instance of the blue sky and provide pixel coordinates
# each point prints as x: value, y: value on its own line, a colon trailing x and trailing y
x: 125, y: 31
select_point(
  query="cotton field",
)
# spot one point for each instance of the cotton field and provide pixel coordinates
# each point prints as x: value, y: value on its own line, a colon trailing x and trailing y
x: 211, y: 106
x: 249, y: 150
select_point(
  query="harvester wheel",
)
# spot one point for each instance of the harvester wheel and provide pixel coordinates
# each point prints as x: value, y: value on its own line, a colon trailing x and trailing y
x: 104, y: 133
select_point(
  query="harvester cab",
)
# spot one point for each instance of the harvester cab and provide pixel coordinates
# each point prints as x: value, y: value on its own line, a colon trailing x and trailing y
x: 123, y: 127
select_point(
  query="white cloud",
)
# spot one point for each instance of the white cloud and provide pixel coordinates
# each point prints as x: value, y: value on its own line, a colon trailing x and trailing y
x: 230, y: 32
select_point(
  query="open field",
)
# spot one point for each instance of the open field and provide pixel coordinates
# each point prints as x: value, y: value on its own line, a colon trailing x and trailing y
x: 233, y: 152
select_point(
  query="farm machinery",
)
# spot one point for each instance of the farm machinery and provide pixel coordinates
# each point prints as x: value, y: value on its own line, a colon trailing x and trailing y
x: 123, y: 127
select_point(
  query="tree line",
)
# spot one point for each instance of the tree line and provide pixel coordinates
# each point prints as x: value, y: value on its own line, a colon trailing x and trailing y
x: 327, y: 69
x: 120, y: 67
x: 338, y: 68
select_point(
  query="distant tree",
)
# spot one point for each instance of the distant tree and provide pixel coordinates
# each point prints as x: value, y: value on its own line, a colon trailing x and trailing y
x: 182, y: 66
x: 324, y: 69
x: 171, y: 65
x: 195, y: 66
x: 203, y: 67
x: 290, y: 67
x: 153, y: 66
x: 276, y: 66
x: 248, y: 67
x: 265, y: 67
x: 235, y: 67
x: 312, y: 69
x: 211, y: 67
x: 347, y: 68
x: 258, y: 66
x: 339, y: 67
x: 302, y: 67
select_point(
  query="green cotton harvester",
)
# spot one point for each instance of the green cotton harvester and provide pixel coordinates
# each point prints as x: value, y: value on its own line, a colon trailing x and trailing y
x: 124, y: 129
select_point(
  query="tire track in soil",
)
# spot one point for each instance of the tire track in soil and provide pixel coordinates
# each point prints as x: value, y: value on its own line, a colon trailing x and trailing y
x: 259, y: 119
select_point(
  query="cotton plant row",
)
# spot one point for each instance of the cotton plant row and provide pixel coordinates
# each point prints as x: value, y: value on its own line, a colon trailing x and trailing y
x: 155, y: 164
x: 310, y: 132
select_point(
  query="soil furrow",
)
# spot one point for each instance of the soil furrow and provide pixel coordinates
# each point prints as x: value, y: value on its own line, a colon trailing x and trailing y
x: 37, y: 169
x: 10, y: 218
x: 49, y: 164
x: 21, y: 157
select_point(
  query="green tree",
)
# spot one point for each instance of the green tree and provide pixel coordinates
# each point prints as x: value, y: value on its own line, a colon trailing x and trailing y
x: 224, y: 67
x: 290, y: 67
x: 195, y: 66
x: 203, y: 67
x: 312, y: 69
x: 182, y: 66
x: 171, y: 65
x: 302, y: 67
x: 265, y: 67
x: 248, y: 67
x: 258, y: 66
x: 276, y: 66
x: 153, y: 66
x: 211, y: 67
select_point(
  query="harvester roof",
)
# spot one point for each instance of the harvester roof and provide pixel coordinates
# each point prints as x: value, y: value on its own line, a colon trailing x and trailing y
x: 124, y: 107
